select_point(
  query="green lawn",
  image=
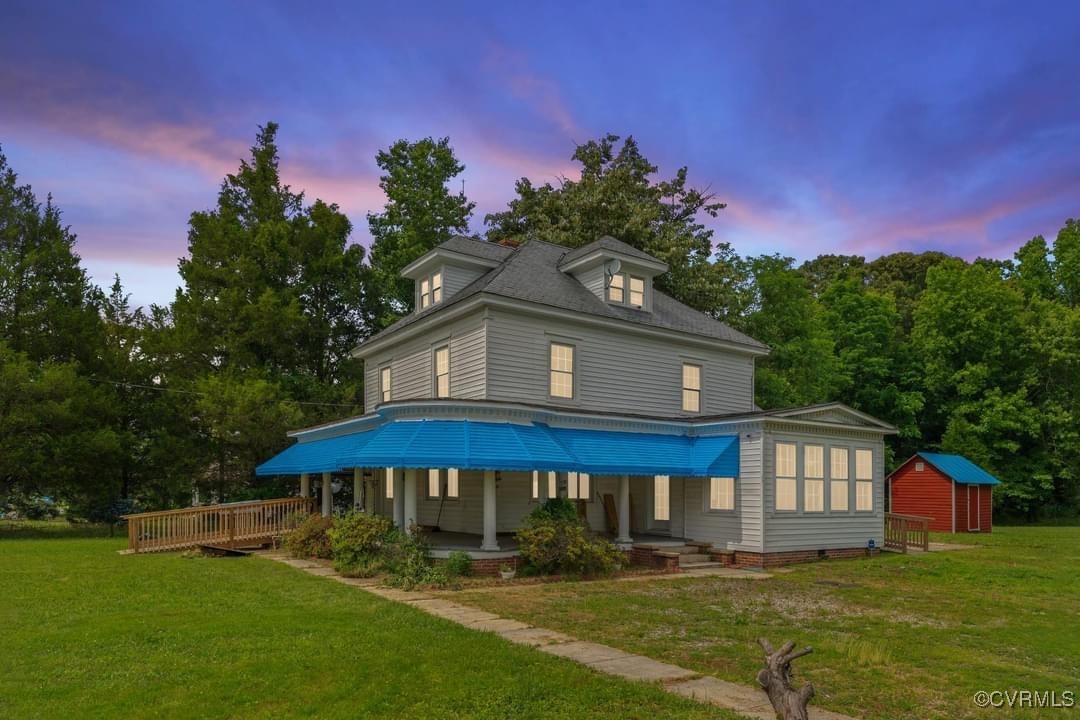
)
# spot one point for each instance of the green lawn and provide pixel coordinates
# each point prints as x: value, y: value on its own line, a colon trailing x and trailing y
x: 87, y: 633
x: 893, y: 637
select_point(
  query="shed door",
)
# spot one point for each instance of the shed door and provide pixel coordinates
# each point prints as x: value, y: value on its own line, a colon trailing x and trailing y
x: 973, y: 507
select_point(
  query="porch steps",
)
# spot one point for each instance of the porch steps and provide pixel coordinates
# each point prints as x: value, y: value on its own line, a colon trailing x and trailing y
x: 701, y: 565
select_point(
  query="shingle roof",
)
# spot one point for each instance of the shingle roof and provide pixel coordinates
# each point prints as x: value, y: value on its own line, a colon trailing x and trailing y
x: 531, y: 273
x: 606, y: 243
x: 960, y: 469
x: 477, y: 248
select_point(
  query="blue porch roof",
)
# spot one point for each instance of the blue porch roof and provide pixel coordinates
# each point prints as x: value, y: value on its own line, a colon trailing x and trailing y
x: 960, y: 469
x: 474, y: 445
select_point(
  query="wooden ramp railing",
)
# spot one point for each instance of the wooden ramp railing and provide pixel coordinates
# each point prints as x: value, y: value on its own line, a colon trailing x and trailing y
x: 227, y: 524
x: 904, y: 531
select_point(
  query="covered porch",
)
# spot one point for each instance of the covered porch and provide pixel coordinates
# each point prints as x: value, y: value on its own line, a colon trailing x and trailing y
x: 474, y: 482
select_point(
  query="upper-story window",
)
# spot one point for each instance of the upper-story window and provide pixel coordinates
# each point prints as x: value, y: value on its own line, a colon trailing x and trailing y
x: 691, y: 387
x: 442, y: 372
x: 637, y: 292
x: 616, y: 288
x: 562, y: 370
x: 431, y: 290
x: 384, y: 383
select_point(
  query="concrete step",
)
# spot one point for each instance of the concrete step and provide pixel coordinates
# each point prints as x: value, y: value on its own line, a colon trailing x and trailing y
x: 691, y: 558
x: 700, y: 565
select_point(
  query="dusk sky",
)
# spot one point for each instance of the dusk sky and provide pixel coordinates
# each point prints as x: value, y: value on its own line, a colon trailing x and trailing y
x: 841, y: 127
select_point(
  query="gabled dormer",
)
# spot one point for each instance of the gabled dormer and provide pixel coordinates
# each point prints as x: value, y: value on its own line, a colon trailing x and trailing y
x: 454, y: 264
x: 615, y: 272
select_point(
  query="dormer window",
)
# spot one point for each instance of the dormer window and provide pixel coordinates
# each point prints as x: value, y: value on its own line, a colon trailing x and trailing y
x: 615, y: 291
x: 431, y: 290
x: 637, y: 292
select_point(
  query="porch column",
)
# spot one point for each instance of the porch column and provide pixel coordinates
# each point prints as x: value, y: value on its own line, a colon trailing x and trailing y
x: 490, y: 542
x: 624, y: 511
x: 327, y: 496
x: 410, y: 498
x: 357, y: 489
x: 305, y: 485
x: 399, y: 498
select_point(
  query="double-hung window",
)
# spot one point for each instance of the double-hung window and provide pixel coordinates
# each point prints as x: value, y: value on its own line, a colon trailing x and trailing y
x: 616, y: 288
x: 691, y: 388
x: 453, y: 483
x: 389, y: 483
x: 434, y: 483
x: 577, y: 485
x: 721, y: 493
x: 562, y: 370
x: 813, y: 478
x: 637, y: 292
x: 384, y: 383
x: 436, y: 288
x: 425, y: 293
x: 431, y: 290
x: 864, y: 480
x: 786, y: 482
x: 442, y: 372
x: 838, y: 479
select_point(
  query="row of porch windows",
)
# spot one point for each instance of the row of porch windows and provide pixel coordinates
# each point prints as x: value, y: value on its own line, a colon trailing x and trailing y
x: 813, y: 478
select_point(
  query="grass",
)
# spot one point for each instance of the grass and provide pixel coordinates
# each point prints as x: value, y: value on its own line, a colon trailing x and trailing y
x: 894, y: 636
x: 88, y: 633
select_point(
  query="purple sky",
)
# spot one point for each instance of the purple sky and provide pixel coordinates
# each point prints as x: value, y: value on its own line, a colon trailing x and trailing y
x: 826, y: 127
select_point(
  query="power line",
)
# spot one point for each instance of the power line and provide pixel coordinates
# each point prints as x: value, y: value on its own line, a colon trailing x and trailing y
x: 158, y: 388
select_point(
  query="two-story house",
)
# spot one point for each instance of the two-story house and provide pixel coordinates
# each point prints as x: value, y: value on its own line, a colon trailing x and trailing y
x: 538, y: 371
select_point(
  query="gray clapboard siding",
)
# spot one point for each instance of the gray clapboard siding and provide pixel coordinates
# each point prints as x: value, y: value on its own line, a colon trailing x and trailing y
x: 739, y: 530
x: 412, y: 369
x: 455, y: 277
x: 593, y: 279
x: 797, y: 530
x: 616, y: 371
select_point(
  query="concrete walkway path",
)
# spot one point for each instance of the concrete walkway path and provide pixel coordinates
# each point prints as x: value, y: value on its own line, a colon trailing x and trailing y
x: 748, y: 701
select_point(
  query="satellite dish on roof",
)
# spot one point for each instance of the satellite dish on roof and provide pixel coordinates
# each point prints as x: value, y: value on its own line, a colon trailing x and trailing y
x: 612, y: 266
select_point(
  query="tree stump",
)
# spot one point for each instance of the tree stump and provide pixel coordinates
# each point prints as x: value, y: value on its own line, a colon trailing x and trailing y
x: 775, y: 677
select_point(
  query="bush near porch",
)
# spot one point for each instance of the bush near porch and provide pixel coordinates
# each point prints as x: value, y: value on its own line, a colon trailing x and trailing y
x: 555, y: 541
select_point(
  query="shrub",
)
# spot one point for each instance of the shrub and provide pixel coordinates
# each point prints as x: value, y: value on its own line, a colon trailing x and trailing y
x: 408, y: 560
x: 555, y: 541
x: 310, y: 538
x: 458, y: 564
x: 356, y: 543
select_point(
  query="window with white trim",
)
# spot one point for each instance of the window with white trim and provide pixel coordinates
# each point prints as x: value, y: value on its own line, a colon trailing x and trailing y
x: 442, y: 372
x: 434, y: 483
x: 562, y: 370
x: 431, y: 290
x: 552, y: 483
x: 813, y: 478
x: 786, y: 482
x: 721, y: 493
x: 691, y: 387
x: 838, y: 479
x: 864, y: 480
x: 616, y: 288
x: 384, y: 383
x: 425, y: 293
x: 637, y: 292
x: 577, y: 486
x: 389, y: 483
x: 453, y: 483
x: 662, y: 497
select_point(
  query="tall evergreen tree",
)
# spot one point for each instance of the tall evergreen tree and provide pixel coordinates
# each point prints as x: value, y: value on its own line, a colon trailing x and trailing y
x: 420, y: 213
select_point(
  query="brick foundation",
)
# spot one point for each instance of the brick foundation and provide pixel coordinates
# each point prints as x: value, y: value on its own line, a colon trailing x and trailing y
x: 489, y: 567
x: 759, y: 560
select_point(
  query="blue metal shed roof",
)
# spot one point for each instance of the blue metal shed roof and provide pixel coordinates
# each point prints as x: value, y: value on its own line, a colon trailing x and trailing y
x: 960, y: 469
x: 472, y: 445
x: 311, y: 457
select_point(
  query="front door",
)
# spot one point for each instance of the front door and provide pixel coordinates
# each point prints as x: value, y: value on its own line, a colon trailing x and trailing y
x: 660, y: 505
x: 973, y: 507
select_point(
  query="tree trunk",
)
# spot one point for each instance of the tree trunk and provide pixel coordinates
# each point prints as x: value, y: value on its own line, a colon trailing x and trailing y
x: 775, y: 677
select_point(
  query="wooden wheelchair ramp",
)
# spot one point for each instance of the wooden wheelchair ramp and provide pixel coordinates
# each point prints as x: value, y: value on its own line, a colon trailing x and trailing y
x: 240, y: 524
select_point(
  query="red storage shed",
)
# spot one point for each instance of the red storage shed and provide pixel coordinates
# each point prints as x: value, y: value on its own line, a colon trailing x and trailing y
x: 955, y: 493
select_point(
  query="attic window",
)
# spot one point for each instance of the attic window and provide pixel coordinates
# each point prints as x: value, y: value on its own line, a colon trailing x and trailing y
x: 637, y: 292
x: 919, y: 467
x: 431, y: 290
x: 615, y: 288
